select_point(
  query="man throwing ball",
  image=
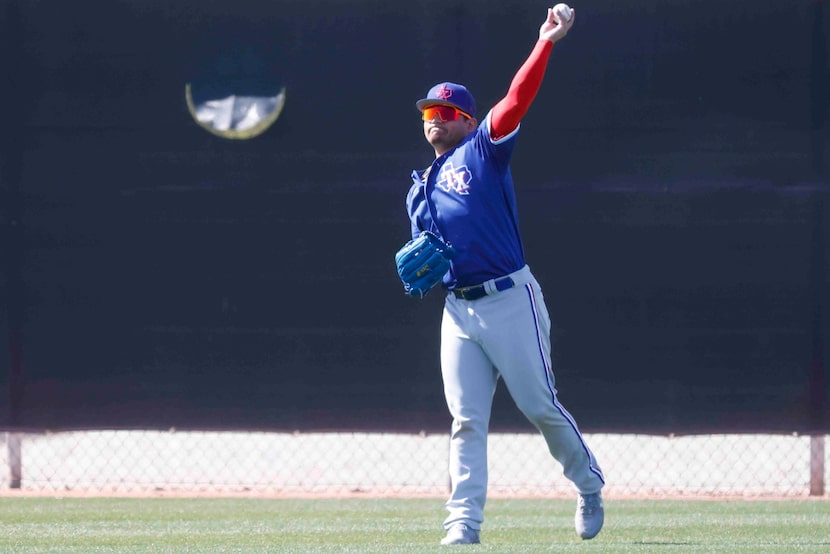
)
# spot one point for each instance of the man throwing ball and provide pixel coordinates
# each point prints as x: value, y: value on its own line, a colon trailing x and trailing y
x: 495, y: 323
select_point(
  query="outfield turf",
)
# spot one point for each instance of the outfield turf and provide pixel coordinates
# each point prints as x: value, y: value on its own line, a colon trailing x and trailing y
x: 403, y: 525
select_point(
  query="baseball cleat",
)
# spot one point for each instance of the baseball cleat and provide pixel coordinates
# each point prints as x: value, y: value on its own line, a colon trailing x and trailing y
x: 590, y: 515
x: 461, y: 534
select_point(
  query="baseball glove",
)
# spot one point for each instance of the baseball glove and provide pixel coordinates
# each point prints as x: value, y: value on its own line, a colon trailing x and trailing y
x: 422, y: 263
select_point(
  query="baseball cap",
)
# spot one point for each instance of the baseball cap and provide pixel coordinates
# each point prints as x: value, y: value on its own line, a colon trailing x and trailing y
x: 449, y: 94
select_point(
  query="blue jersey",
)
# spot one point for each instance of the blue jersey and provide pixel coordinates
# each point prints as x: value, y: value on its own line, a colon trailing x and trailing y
x: 472, y: 205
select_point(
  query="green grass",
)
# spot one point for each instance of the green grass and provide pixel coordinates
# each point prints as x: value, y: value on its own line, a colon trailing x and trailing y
x: 127, y: 525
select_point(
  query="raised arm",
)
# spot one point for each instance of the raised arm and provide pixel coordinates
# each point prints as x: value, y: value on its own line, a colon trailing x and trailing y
x: 509, y: 111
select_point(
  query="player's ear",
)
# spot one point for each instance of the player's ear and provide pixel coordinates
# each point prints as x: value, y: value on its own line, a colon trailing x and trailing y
x: 472, y: 123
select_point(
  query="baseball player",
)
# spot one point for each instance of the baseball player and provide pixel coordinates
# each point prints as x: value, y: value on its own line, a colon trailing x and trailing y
x: 495, y: 323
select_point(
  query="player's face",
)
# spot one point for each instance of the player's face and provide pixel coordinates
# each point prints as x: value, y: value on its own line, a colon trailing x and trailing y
x: 446, y: 128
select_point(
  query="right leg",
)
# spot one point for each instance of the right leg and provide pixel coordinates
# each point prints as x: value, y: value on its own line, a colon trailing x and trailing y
x: 469, y: 385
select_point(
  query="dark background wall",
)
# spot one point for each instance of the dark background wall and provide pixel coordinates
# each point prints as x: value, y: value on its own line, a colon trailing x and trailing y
x: 671, y: 176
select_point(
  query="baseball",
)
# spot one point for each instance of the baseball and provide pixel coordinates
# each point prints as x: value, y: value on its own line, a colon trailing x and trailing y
x: 563, y: 11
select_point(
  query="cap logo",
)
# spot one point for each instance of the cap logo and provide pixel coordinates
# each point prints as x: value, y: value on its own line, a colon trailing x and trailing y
x: 444, y: 92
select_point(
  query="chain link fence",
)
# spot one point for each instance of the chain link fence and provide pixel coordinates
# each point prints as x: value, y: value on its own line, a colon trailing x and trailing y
x: 119, y: 462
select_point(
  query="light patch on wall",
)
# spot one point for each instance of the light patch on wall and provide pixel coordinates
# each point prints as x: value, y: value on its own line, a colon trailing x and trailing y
x: 236, y: 116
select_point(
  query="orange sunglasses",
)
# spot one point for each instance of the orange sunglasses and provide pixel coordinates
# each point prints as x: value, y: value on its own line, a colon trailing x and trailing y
x: 444, y: 113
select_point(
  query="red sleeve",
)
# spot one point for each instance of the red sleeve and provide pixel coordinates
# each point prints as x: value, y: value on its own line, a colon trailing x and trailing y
x: 506, y: 115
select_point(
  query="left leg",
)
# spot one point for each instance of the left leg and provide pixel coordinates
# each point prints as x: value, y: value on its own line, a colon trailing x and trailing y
x: 518, y: 342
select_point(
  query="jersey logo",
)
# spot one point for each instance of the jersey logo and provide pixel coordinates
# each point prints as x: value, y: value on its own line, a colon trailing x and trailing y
x: 452, y: 179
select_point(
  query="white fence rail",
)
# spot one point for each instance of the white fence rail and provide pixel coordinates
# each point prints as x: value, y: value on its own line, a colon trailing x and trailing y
x: 112, y: 462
